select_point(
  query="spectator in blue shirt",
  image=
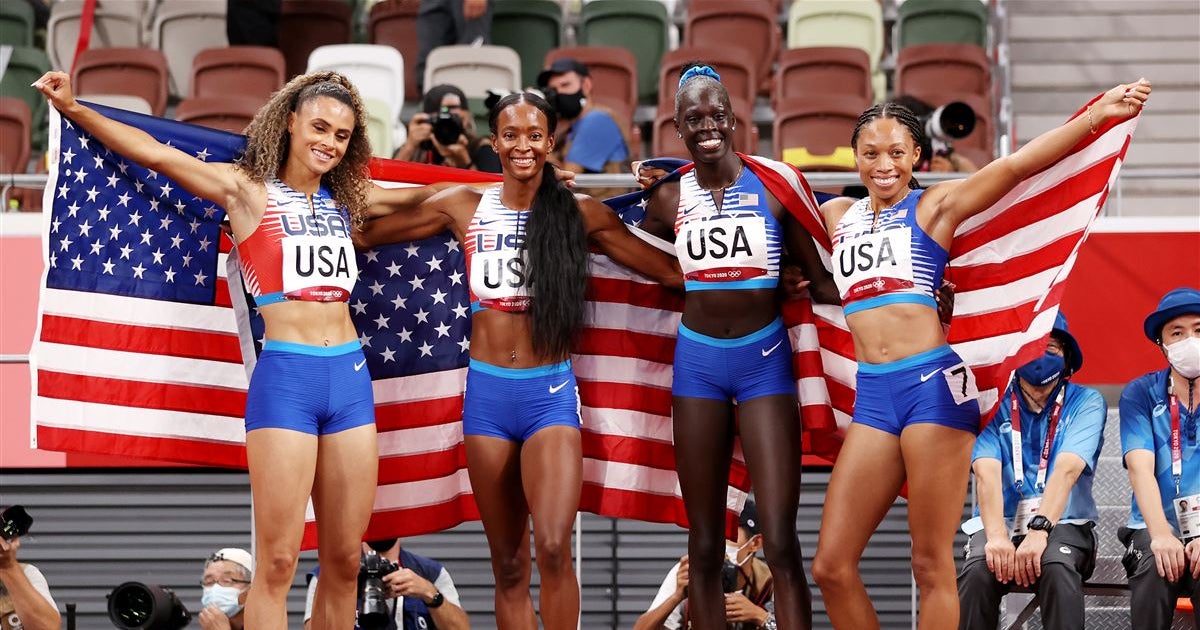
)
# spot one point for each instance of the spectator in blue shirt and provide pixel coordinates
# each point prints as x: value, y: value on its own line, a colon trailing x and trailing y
x: 1034, y: 528
x: 589, y: 138
x: 1162, y: 538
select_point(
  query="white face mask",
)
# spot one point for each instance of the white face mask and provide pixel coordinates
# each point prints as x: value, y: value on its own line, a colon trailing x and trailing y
x: 732, y: 550
x: 225, y: 598
x: 1184, y: 356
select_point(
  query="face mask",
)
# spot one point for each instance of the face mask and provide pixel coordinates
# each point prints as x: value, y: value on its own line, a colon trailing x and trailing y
x: 1184, y: 356
x: 1042, y: 370
x: 568, y: 106
x: 731, y: 553
x: 225, y: 598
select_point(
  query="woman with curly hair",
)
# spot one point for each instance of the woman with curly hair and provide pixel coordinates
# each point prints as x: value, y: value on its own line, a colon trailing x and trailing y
x: 291, y: 200
x: 526, y: 244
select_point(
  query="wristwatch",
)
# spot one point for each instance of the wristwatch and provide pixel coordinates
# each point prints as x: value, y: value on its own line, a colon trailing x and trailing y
x: 1041, y: 523
x: 770, y: 623
x: 437, y: 600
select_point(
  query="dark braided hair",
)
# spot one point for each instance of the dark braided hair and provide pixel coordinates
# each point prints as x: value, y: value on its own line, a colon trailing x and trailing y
x: 556, y: 248
x: 900, y: 114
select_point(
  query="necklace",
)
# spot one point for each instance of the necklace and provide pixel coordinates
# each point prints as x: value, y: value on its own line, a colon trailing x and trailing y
x: 877, y: 212
x: 741, y: 167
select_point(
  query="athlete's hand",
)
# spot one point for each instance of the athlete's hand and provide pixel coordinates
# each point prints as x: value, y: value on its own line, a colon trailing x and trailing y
x: 56, y: 87
x: 1168, y: 556
x: 792, y: 281
x: 945, y: 301
x: 647, y: 175
x: 1122, y: 101
x: 1029, y: 557
x: 1192, y: 551
x: 681, y: 578
x: 1001, y: 558
x: 740, y: 609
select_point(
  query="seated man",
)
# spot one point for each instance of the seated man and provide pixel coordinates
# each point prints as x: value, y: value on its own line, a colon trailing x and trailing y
x: 1159, y: 439
x: 1034, y: 528
x: 748, y: 588
x: 443, y: 133
x: 25, y: 600
x: 226, y: 580
x: 589, y: 139
x: 423, y: 597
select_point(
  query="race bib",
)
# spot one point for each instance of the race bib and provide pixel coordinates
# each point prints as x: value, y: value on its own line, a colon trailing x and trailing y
x: 499, y: 280
x: 320, y: 269
x: 723, y: 249
x: 874, y: 263
x: 1026, y: 509
x: 1187, y: 512
x: 961, y: 381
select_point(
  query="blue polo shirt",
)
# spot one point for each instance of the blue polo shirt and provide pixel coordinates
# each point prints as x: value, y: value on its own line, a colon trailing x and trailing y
x: 596, y: 140
x: 1080, y: 431
x: 1146, y: 424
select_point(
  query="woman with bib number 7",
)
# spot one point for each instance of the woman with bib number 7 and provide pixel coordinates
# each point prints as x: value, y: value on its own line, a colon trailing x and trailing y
x: 915, y: 414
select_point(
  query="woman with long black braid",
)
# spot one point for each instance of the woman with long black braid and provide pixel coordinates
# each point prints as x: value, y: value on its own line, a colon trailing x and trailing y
x: 915, y: 412
x: 526, y: 246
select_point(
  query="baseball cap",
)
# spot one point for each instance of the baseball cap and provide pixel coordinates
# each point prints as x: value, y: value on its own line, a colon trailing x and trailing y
x: 749, y: 518
x: 234, y: 555
x: 1176, y: 302
x: 561, y: 66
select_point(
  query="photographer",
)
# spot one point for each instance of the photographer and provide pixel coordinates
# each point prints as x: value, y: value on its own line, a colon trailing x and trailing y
x: 227, y: 575
x: 421, y: 595
x: 25, y: 600
x: 443, y: 133
x: 941, y: 158
x: 589, y: 139
x: 745, y: 578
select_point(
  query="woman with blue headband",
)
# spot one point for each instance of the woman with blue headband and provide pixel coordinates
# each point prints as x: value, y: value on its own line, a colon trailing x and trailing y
x: 731, y: 232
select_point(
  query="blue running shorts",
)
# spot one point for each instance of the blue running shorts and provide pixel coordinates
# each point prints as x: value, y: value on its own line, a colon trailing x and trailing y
x: 741, y: 369
x: 934, y: 386
x: 514, y: 403
x: 311, y: 389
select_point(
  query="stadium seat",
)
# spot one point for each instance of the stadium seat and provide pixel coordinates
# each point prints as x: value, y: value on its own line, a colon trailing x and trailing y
x: 813, y: 133
x: 530, y: 27
x: 667, y: 143
x: 749, y: 25
x: 305, y: 25
x: 852, y: 23
x: 941, y: 22
x: 830, y: 70
x: 121, y: 101
x: 15, y: 134
x: 16, y: 24
x: 378, y: 73
x: 735, y: 65
x: 228, y: 113
x: 26, y: 65
x: 980, y: 145
x: 255, y: 71
x: 613, y: 71
x: 183, y: 28
x: 138, y: 72
x: 115, y: 24
x: 636, y: 25
x: 945, y: 68
x: 394, y: 23
x: 380, y: 127
x: 474, y: 69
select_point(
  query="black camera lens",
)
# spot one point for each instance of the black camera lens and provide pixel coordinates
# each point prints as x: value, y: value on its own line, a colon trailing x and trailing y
x: 14, y: 522
x: 446, y: 127
x: 729, y: 573
x: 137, y: 606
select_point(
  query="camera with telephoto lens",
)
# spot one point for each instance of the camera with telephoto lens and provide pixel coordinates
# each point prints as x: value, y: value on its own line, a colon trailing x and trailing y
x: 372, y: 593
x: 952, y: 121
x: 729, y: 577
x: 14, y: 522
x: 138, y: 606
x: 447, y: 127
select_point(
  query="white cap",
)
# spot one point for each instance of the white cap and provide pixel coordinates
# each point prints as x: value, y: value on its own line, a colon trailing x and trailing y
x: 234, y: 555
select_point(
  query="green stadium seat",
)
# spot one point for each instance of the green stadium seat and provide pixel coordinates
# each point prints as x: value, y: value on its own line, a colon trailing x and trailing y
x: 26, y: 65
x: 942, y: 22
x: 16, y: 24
x: 637, y: 25
x: 845, y: 23
x: 530, y: 27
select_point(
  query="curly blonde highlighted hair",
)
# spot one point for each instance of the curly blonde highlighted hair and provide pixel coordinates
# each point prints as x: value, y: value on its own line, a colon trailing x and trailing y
x: 267, y: 139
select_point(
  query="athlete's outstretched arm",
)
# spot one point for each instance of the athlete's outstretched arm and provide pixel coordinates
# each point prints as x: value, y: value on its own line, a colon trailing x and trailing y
x: 605, y: 229
x: 956, y: 201
x: 217, y: 182
x: 382, y: 202
x: 429, y: 216
x: 802, y: 250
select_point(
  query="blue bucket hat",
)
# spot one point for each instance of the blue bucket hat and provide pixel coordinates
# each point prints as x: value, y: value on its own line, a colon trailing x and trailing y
x: 1068, y: 340
x: 1176, y: 302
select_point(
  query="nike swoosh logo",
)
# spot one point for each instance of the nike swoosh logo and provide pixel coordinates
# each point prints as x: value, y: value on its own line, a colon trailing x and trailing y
x: 359, y: 366
x: 554, y: 388
x: 926, y: 377
x: 772, y: 348
x: 488, y: 221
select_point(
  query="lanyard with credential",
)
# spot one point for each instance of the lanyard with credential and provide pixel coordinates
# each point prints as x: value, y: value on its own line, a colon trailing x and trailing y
x: 1018, y: 454
x: 1176, y: 440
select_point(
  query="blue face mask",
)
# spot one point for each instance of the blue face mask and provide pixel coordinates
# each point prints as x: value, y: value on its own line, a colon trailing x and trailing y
x: 225, y: 598
x: 1042, y: 370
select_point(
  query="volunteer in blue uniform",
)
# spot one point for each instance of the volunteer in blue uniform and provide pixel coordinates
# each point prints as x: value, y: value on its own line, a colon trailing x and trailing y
x: 1034, y: 528
x: 1159, y: 419
x: 916, y: 412
x: 730, y: 234
x: 526, y: 244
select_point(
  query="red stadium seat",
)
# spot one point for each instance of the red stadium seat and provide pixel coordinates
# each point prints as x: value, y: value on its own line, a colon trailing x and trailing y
x: 944, y: 68
x: 813, y: 133
x: 256, y: 71
x: 15, y: 130
x: 823, y: 70
x: 305, y: 25
x: 394, y: 23
x: 749, y: 25
x: 140, y: 72
x: 228, y: 113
